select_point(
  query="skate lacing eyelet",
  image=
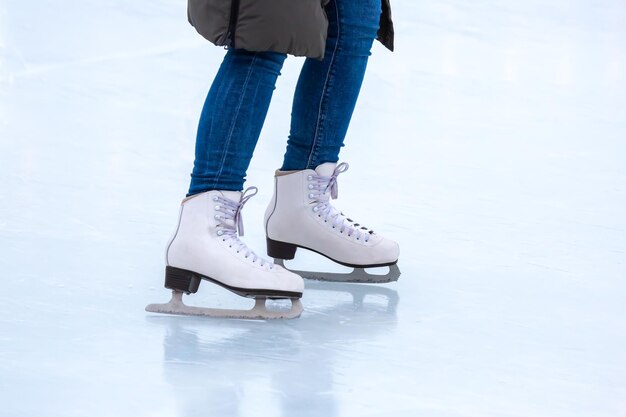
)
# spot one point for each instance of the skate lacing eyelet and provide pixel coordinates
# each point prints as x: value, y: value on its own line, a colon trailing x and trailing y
x: 232, y: 229
x: 327, y: 187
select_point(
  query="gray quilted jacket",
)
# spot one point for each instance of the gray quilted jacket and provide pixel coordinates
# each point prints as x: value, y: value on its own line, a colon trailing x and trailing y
x: 289, y: 26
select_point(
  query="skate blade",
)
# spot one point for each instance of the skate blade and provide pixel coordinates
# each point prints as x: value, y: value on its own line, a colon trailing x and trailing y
x: 358, y: 275
x: 258, y: 312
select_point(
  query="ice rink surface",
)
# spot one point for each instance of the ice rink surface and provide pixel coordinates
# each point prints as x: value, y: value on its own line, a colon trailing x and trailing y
x: 491, y: 145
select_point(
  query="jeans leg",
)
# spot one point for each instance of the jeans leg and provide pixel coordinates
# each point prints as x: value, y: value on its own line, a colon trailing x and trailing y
x: 232, y: 118
x: 327, y: 90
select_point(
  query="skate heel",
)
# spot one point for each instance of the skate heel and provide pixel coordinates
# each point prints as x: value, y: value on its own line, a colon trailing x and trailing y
x: 280, y: 250
x: 181, y: 280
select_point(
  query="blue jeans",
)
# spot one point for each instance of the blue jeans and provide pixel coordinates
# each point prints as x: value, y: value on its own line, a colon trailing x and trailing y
x: 324, y: 100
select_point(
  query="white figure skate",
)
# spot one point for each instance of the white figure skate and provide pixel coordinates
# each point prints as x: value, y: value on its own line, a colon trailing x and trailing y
x: 206, y: 245
x: 301, y: 215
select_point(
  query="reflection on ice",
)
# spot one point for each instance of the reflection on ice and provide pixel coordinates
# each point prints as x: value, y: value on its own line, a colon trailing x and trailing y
x: 292, y: 371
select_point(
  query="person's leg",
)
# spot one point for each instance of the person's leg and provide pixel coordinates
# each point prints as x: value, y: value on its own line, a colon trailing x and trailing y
x: 301, y: 213
x: 232, y: 118
x: 206, y: 245
x: 327, y: 90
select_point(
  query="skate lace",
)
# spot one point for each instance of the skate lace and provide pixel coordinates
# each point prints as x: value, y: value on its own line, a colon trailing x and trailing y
x: 230, y: 233
x: 321, y: 191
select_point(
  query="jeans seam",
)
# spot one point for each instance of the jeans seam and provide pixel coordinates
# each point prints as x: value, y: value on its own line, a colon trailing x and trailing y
x: 324, y: 90
x: 232, y: 127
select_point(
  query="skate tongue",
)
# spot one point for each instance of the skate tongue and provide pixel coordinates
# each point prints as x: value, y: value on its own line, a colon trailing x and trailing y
x: 245, y: 196
x: 326, y: 169
x: 234, y: 198
x: 232, y: 195
x: 334, y: 171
